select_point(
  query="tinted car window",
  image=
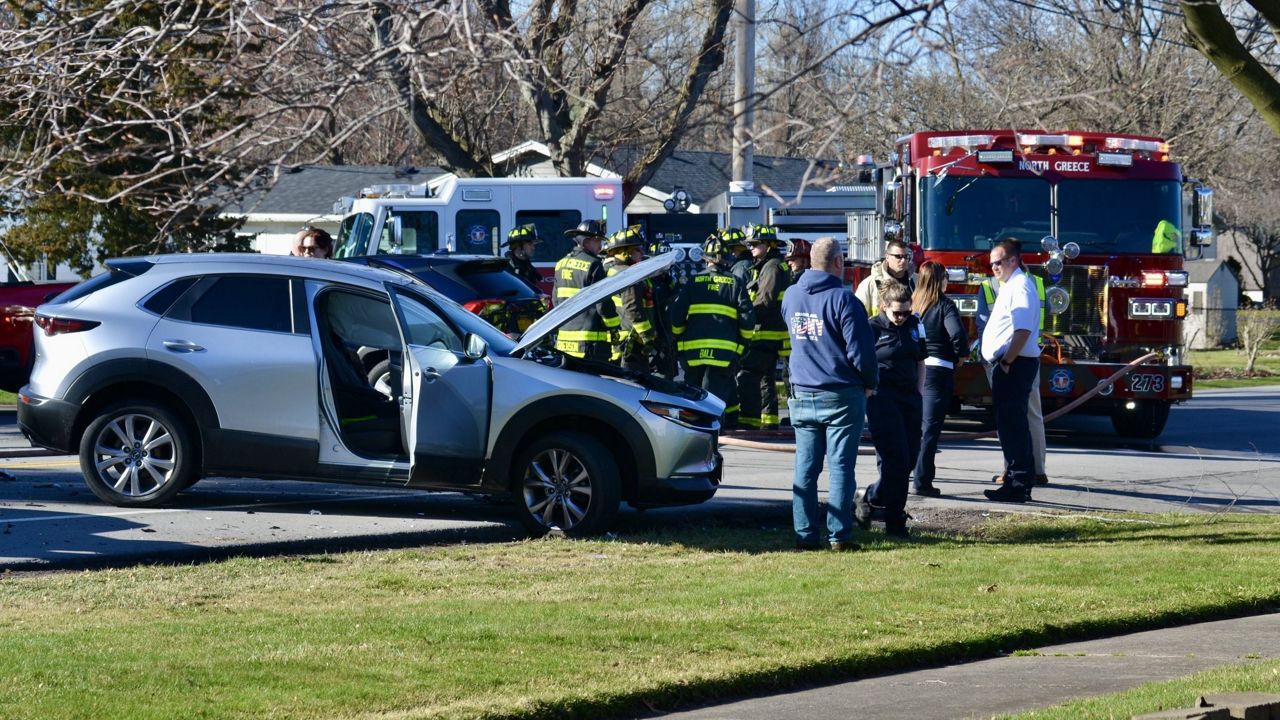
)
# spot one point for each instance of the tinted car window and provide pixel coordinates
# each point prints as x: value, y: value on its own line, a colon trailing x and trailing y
x: 161, y: 300
x: 245, y: 301
x: 117, y: 274
x: 493, y: 280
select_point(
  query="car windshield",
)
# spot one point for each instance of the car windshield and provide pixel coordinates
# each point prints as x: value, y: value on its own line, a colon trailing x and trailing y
x: 975, y: 212
x: 1120, y: 216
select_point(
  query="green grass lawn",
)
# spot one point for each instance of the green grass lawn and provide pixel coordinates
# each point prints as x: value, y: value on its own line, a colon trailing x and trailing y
x: 1248, y: 676
x: 8, y: 398
x: 551, y: 628
x: 1216, y: 361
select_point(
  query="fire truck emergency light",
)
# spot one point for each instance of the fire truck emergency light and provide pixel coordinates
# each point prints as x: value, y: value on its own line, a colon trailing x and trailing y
x: 602, y: 192
x: 1064, y: 141
x: 1176, y: 278
x: 946, y: 142
x: 957, y: 274
x: 1153, y: 279
x: 1132, y: 145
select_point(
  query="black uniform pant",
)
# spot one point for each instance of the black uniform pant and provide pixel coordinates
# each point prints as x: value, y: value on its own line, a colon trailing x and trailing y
x: 716, y: 380
x: 893, y: 415
x: 758, y: 388
x: 939, y: 382
x: 1010, y: 392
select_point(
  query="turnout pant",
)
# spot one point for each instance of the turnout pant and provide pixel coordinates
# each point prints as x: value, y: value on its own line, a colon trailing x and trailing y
x: 894, y: 418
x: 716, y: 380
x: 758, y: 388
x: 1010, y: 392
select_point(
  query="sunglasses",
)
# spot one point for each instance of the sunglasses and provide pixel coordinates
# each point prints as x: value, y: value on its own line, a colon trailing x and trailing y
x: 900, y: 313
x: 1001, y: 261
x: 898, y: 256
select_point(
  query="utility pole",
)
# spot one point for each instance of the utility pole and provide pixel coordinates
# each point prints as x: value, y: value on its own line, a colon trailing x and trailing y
x: 744, y: 89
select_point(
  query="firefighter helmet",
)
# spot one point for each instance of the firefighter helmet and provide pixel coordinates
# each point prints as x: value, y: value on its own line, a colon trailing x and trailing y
x: 798, y: 248
x: 733, y: 239
x: 625, y: 239
x: 522, y: 234
x: 713, y: 247
x: 586, y: 229
x: 755, y: 233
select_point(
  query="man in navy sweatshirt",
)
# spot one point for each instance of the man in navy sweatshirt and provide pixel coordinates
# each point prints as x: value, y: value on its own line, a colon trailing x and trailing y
x: 833, y: 372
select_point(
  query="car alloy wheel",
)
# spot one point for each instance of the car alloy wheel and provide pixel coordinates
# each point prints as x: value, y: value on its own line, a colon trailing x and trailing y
x: 569, y: 482
x: 136, y: 455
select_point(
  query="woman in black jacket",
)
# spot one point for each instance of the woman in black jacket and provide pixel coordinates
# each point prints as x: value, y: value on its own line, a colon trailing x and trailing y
x: 947, y: 344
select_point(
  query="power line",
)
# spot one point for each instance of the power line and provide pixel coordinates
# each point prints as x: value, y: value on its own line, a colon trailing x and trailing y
x: 1100, y: 23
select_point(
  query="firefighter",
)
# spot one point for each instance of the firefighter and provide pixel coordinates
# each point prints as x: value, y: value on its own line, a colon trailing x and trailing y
x: 712, y: 320
x: 636, y: 341
x: 797, y: 257
x: 587, y: 334
x: 758, y: 377
x: 664, y: 292
x: 735, y: 244
x: 520, y: 243
x: 1167, y: 238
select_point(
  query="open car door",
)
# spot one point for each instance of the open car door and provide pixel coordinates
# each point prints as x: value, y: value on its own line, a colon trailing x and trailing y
x: 445, y: 401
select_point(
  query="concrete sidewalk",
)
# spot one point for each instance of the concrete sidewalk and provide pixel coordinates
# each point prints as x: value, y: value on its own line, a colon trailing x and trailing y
x: 1013, y: 684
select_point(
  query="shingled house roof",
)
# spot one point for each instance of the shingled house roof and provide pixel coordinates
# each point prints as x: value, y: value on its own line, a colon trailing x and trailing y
x: 312, y: 189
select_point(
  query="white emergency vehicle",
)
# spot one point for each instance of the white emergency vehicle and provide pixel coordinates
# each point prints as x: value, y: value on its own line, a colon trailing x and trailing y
x: 474, y: 215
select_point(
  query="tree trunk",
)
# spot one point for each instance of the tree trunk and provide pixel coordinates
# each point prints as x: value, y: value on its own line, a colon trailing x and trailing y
x: 1216, y: 39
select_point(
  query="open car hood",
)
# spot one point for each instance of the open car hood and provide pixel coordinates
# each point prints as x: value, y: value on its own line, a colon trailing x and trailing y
x: 592, y: 294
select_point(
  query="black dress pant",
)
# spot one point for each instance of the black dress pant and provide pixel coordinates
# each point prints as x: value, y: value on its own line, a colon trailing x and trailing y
x: 1010, y: 392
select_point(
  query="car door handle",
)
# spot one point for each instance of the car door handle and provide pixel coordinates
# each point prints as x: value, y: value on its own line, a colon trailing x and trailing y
x: 182, y: 346
x: 430, y: 374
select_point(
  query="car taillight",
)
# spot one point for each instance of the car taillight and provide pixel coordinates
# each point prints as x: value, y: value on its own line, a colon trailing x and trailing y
x: 479, y: 306
x: 57, y: 325
x: 14, y: 314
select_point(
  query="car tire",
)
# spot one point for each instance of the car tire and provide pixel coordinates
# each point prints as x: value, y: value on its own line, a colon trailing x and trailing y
x: 137, y: 454
x: 556, y: 474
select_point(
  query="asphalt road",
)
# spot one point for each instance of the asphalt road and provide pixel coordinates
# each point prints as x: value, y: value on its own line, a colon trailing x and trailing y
x: 1220, y: 453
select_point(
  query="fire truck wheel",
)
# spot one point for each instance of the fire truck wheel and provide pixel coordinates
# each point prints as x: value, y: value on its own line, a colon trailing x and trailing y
x: 1144, y: 421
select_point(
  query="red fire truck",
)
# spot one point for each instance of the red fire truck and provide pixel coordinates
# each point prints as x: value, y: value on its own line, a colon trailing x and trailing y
x: 1100, y: 219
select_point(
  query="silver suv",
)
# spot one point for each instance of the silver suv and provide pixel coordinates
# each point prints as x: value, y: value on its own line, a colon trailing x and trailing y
x: 164, y: 370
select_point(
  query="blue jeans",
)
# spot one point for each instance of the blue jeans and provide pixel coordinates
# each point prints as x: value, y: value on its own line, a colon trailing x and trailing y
x: 827, y: 424
x: 939, y: 382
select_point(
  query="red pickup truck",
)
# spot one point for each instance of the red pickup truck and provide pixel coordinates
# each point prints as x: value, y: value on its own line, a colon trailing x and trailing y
x: 17, y: 311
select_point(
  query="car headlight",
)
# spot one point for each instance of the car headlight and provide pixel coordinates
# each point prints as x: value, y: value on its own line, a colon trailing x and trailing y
x: 682, y: 415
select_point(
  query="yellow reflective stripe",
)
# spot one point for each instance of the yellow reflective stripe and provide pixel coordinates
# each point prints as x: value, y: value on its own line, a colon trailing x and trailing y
x: 747, y: 334
x: 770, y: 335
x: 644, y: 326
x: 712, y: 363
x: 769, y: 419
x: 749, y: 422
x: 612, y: 322
x: 732, y: 409
x: 713, y: 309
x: 582, y: 336
x: 781, y: 293
x: 567, y: 292
x: 569, y: 348
x: 708, y: 344
x: 677, y: 329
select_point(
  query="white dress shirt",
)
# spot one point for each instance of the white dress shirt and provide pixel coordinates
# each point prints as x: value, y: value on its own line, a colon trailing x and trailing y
x: 1017, y: 307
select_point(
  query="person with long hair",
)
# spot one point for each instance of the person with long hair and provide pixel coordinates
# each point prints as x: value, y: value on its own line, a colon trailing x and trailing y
x: 946, y: 343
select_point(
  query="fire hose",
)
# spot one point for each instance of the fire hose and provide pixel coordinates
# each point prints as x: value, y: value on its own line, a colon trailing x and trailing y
x: 1109, y: 382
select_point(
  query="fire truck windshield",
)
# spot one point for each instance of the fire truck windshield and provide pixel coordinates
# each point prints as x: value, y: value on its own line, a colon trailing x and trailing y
x: 1108, y: 216
x: 975, y: 212
x: 1120, y: 216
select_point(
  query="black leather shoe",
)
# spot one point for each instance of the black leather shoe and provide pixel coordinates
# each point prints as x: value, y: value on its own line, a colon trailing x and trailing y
x: 1042, y: 479
x: 803, y: 545
x: 930, y: 491
x: 1008, y: 493
x: 898, y: 532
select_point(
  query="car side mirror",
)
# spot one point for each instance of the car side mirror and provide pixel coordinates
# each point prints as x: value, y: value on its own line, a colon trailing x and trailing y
x: 397, y: 234
x: 476, y: 348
